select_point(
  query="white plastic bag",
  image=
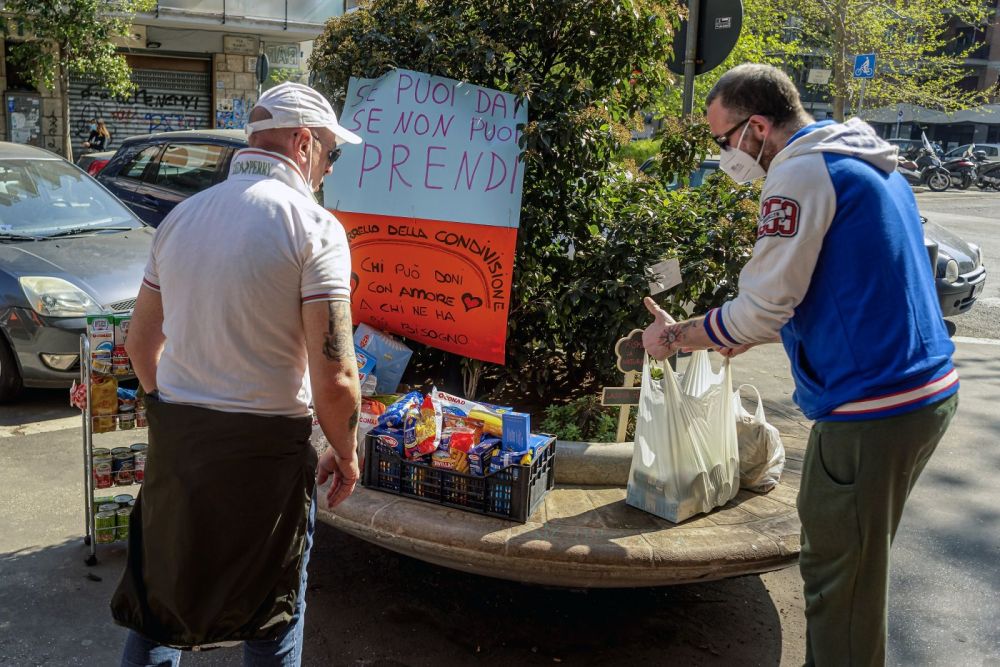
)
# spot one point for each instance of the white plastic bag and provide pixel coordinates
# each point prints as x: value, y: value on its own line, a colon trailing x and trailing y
x: 762, y: 456
x: 686, y: 460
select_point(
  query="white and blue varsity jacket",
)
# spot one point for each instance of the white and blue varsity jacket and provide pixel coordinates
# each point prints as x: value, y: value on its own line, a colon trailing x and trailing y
x: 840, y: 271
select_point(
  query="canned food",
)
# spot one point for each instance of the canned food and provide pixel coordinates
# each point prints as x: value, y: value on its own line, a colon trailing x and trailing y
x: 108, y: 507
x: 104, y: 527
x: 123, y: 499
x: 100, y: 451
x: 104, y: 423
x: 102, y: 500
x: 120, y: 450
x: 138, y: 447
x: 126, y: 420
x: 139, y: 474
x: 123, y: 465
x: 102, y: 468
x: 123, y: 515
x: 140, y: 419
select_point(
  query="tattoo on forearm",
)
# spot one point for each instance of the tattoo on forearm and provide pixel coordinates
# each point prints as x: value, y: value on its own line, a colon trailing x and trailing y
x: 338, y: 341
x: 673, y: 335
x: 352, y: 423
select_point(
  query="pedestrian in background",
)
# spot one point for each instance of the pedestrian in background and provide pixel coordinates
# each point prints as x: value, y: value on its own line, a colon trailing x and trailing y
x: 840, y: 273
x: 244, y: 317
x: 99, y: 137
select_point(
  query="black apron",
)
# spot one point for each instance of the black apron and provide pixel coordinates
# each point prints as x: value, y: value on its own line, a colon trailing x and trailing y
x: 218, y: 530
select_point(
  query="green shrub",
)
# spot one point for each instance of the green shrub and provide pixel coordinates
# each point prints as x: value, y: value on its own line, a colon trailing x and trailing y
x: 589, y: 226
x: 638, y: 151
x: 582, y: 420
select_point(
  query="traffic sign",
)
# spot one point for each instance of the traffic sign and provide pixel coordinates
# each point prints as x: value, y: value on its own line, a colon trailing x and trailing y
x: 719, y: 25
x: 864, y: 66
x: 263, y: 68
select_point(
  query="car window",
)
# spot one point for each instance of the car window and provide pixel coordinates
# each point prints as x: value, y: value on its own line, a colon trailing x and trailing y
x: 38, y: 197
x: 135, y: 168
x: 992, y: 150
x: 189, y: 168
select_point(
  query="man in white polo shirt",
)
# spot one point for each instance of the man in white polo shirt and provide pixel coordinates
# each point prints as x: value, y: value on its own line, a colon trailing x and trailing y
x: 243, y: 320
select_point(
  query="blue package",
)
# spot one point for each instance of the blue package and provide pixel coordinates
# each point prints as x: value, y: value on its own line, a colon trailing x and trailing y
x: 391, y: 356
x: 481, y: 455
x: 516, y: 431
x: 395, y: 414
x: 389, y: 437
x: 366, y: 362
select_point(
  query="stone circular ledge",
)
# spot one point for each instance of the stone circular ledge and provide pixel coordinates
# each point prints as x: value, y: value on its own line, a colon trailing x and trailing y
x: 584, y: 535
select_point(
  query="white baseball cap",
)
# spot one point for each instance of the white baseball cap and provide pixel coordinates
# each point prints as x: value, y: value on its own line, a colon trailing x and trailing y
x: 297, y: 105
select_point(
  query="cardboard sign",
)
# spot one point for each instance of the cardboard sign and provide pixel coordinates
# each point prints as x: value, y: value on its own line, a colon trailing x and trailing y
x: 629, y: 352
x: 431, y: 203
x: 434, y: 149
x: 664, y: 275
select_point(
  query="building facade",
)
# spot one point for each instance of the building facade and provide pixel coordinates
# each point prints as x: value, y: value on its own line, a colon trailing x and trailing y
x: 194, y: 65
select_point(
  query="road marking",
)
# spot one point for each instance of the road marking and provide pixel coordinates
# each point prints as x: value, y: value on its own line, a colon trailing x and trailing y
x: 976, y: 341
x: 33, y: 428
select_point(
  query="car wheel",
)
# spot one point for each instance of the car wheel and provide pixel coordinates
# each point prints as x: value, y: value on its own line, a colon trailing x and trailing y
x: 939, y: 181
x: 10, y: 376
x: 951, y: 327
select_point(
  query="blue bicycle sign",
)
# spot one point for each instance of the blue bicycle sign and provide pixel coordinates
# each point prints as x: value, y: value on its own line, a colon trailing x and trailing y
x: 864, y: 66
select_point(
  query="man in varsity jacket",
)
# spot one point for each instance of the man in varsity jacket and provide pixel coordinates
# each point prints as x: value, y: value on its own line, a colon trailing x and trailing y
x: 840, y: 275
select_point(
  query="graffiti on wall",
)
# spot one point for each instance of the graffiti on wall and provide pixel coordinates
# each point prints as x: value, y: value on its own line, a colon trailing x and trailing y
x: 143, y: 110
x: 232, y: 113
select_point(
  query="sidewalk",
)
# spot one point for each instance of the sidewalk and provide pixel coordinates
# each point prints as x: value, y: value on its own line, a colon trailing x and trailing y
x: 369, y: 606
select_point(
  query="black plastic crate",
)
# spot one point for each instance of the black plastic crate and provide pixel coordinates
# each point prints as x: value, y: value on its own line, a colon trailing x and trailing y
x: 512, y: 493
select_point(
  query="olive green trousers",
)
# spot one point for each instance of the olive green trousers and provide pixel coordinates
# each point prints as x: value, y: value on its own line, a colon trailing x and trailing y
x: 856, y: 478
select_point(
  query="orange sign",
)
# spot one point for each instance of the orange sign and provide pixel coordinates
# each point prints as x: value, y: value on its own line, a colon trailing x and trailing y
x: 444, y: 284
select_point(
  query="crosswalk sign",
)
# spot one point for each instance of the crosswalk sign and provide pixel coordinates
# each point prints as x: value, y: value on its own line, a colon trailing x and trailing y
x: 864, y: 66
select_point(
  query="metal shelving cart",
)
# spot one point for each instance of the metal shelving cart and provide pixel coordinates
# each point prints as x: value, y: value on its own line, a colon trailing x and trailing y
x: 94, y: 534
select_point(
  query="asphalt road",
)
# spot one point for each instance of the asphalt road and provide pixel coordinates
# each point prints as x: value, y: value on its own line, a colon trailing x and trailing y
x: 372, y: 607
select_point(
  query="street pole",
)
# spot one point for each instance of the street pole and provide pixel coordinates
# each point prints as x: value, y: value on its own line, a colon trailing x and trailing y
x: 899, y: 118
x: 690, y: 54
x: 861, y: 98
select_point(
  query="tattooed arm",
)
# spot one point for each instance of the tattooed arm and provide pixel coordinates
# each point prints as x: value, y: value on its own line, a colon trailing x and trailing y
x: 333, y: 373
x: 665, y: 337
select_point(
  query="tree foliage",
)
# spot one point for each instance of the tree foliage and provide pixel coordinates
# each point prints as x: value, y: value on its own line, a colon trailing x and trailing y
x: 60, y: 37
x: 918, y: 50
x: 589, y: 226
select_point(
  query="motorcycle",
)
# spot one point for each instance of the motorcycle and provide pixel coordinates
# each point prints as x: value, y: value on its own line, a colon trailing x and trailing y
x: 963, y: 169
x: 988, y: 173
x: 925, y: 169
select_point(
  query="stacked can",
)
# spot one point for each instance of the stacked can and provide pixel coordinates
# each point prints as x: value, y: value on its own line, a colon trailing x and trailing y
x: 122, y: 465
x: 102, y: 468
x: 139, y: 452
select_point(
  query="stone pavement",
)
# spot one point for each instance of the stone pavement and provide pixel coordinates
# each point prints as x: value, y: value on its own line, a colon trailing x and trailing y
x: 584, y: 535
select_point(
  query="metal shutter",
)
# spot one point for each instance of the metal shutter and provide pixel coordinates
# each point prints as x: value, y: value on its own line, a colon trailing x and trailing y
x: 163, y: 101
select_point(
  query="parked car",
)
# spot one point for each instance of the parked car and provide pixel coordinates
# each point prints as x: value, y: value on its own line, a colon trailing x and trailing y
x: 153, y: 173
x: 959, y: 274
x: 992, y: 151
x: 68, y: 248
x: 92, y: 163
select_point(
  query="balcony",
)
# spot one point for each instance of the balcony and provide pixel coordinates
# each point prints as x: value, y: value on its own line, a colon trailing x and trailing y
x: 297, y: 14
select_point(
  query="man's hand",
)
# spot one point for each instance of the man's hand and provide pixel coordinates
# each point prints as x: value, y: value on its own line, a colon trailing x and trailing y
x: 730, y: 352
x: 658, y: 337
x: 345, y: 474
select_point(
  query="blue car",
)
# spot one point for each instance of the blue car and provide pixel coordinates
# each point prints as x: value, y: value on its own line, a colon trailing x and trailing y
x: 153, y: 173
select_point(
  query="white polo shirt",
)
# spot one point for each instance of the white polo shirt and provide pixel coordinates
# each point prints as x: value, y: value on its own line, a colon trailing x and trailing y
x: 233, y: 265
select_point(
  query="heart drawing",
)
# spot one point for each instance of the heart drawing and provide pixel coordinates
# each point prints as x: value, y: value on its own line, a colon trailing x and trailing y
x: 471, y: 302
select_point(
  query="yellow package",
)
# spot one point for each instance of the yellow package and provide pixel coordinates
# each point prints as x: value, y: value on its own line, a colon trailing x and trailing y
x: 104, y: 403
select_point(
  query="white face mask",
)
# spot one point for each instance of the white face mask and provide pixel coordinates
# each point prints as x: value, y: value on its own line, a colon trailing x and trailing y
x: 738, y: 165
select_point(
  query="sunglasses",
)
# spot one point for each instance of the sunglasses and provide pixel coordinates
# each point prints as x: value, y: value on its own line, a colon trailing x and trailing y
x: 723, y: 139
x: 333, y: 154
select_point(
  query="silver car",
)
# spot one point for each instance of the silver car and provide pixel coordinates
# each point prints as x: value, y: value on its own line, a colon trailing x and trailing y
x: 68, y: 248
